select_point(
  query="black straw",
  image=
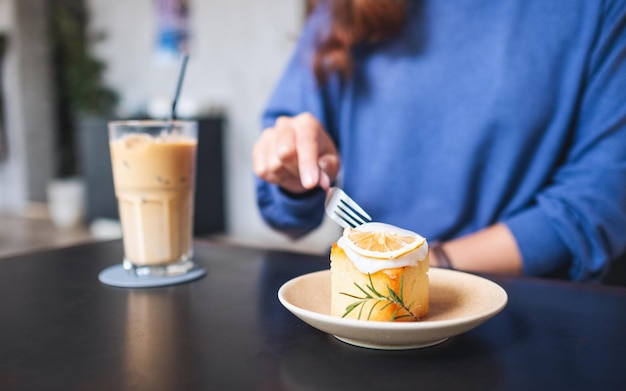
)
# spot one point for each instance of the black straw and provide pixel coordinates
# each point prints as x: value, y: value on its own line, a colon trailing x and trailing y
x: 179, y: 84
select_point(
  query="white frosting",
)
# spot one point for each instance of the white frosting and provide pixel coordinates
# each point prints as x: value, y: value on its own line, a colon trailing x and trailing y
x: 372, y: 265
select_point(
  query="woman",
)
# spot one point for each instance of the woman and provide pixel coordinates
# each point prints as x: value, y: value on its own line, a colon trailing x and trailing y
x: 497, y: 128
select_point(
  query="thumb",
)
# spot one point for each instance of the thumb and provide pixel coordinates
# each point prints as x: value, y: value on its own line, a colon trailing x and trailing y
x: 329, y: 164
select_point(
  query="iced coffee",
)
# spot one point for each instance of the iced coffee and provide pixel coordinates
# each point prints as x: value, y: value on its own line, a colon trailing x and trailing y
x: 154, y: 176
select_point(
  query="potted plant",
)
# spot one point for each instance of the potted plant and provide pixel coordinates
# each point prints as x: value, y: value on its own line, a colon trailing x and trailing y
x: 81, y: 97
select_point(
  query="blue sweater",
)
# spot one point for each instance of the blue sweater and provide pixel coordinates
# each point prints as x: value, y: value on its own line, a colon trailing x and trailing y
x: 479, y: 112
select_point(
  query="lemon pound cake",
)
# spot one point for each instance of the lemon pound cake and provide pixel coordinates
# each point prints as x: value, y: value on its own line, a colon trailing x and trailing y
x: 379, y: 273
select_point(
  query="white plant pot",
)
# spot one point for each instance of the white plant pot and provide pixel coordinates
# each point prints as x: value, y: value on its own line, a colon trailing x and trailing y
x: 66, y: 202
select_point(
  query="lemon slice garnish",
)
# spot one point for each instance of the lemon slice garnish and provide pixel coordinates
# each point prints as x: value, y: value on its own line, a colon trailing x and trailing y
x: 382, y: 241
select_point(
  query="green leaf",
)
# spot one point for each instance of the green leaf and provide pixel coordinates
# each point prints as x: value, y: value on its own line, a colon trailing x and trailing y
x: 363, y: 290
x: 350, y: 308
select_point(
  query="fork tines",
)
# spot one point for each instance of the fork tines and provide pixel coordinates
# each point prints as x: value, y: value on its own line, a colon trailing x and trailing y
x: 351, y: 215
x: 345, y: 211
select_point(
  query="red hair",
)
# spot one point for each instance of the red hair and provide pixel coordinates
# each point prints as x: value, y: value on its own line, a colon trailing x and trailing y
x: 354, y: 22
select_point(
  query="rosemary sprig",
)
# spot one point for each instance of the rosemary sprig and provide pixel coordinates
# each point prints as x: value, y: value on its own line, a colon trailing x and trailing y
x: 370, y: 293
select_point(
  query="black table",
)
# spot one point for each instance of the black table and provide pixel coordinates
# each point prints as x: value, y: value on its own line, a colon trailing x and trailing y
x: 60, y: 328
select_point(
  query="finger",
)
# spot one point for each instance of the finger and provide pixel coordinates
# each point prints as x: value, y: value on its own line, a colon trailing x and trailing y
x: 324, y: 180
x: 272, y: 171
x: 260, y: 154
x: 329, y: 163
x: 284, y: 148
x: 307, y: 131
x: 265, y: 162
x: 274, y: 157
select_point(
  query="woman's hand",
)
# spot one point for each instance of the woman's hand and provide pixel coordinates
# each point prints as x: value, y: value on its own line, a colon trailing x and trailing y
x: 294, y: 152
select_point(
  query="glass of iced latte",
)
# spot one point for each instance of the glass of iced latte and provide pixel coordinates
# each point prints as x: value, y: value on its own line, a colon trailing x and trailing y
x: 154, y: 176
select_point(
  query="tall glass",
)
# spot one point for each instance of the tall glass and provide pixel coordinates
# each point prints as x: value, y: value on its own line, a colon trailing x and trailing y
x: 154, y: 164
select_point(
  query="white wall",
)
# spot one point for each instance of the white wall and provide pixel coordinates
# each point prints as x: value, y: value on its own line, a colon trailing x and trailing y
x: 12, y: 183
x: 238, y: 50
x: 4, y: 15
x: 29, y: 105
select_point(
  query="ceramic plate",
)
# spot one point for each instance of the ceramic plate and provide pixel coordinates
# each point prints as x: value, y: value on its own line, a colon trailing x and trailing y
x: 458, y: 303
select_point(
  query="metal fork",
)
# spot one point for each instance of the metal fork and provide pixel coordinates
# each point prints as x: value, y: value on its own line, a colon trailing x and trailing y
x: 340, y: 207
x: 344, y: 210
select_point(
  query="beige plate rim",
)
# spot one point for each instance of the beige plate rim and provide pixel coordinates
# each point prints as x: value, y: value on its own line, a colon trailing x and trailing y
x: 485, y: 300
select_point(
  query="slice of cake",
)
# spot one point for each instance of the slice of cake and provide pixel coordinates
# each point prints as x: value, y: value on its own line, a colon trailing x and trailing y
x: 379, y: 273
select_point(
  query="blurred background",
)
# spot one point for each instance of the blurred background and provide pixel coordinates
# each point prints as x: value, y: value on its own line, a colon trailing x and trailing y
x: 67, y: 67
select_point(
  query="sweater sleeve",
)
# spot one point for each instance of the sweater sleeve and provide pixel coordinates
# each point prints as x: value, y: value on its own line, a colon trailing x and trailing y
x: 579, y: 219
x: 296, y: 92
